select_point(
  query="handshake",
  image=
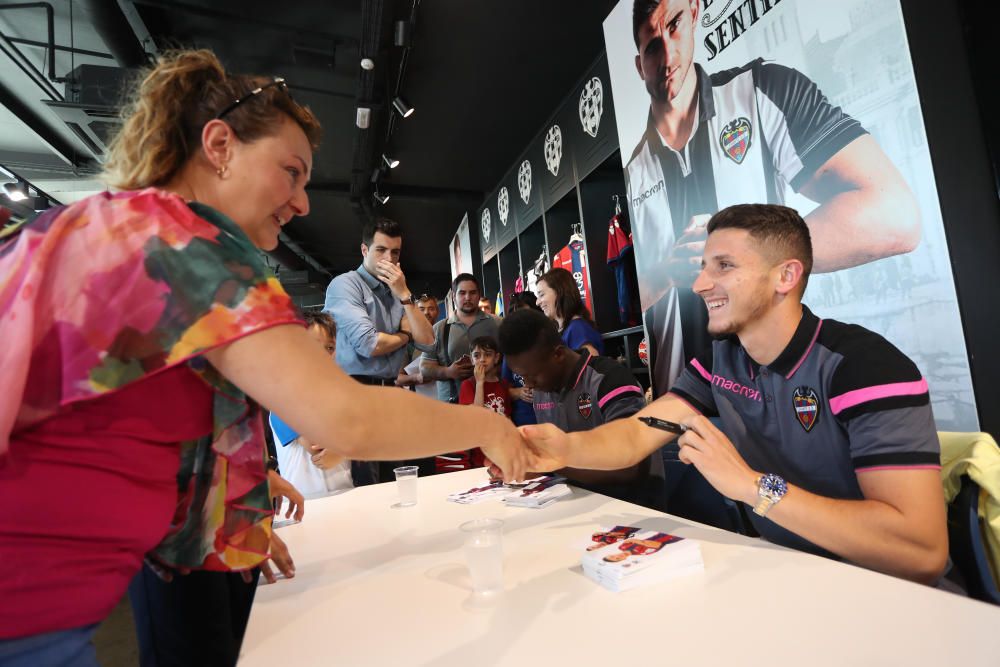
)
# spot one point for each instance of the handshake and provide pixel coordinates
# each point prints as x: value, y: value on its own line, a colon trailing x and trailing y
x: 527, y: 451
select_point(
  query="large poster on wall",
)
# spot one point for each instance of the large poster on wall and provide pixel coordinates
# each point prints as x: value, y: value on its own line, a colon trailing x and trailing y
x: 807, y: 103
x: 460, y: 250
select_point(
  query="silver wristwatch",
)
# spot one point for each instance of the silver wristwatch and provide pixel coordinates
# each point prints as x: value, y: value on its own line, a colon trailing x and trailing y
x: 770, y: 489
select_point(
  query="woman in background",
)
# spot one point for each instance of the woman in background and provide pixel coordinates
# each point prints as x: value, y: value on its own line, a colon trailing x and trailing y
x: 559, y: 298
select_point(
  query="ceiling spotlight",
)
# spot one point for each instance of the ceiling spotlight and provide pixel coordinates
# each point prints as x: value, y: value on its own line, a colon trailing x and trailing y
x: 404, y: 109
x: 16, y: 191
x: 390, y: 161
x: 401, y: 35
x: 367, y: 64
x: 381, y: 199
x: 364, y: 117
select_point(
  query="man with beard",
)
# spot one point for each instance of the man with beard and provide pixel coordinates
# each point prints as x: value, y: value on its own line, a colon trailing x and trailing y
x: 826, y: 428
x: 448, y: 361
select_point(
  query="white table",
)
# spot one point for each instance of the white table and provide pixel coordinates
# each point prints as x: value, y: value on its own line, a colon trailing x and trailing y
x: 382, y: 585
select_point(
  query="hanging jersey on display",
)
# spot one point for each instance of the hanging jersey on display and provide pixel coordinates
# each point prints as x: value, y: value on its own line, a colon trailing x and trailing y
x: 573, y: 258
x: 538, y: 269
x: 622, y: 260
x: 519, y: 285
x: 498, y: 307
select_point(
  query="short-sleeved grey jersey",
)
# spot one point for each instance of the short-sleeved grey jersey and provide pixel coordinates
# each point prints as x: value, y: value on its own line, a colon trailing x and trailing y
x: 603, y: 391
x: 838, y: 401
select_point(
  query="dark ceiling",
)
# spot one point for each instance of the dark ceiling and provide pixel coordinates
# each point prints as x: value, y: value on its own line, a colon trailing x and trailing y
x: 483, y: 78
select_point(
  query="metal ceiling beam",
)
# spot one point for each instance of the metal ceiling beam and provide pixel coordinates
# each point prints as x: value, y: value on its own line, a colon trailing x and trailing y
x: 115, y: 31
x: 52, y: 140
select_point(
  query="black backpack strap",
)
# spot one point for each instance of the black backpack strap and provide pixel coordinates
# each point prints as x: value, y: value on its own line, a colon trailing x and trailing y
x: 445, y: 331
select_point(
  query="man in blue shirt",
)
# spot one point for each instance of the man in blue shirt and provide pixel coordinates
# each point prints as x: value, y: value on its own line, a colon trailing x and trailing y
x: 375, y: 312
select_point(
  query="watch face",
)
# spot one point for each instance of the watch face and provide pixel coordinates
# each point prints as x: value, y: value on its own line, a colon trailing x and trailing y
x: 773, y: 486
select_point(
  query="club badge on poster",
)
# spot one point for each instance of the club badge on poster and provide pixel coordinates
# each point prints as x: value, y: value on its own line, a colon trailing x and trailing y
x: 808, y: 103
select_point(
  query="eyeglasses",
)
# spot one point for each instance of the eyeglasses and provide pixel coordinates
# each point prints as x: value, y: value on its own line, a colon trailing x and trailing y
x: 278, y: 81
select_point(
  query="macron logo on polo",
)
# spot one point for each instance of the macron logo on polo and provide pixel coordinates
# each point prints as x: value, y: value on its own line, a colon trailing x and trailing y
x: 726, y: 383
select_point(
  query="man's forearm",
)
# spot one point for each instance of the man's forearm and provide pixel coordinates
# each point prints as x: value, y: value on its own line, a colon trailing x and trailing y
x: 388, y: 343
x: 870, y: 533
x: 860, y: 226
x: 434, y: 371
x: 422, y: 330
x: 624, y: 443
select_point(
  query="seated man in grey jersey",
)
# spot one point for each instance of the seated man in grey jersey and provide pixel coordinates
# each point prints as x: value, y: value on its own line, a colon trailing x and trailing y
x: 577, y: 392
x: 827, y: 431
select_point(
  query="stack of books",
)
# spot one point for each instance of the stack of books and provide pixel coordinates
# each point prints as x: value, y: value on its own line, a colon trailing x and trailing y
x: 624, y: 557
x: 540, y: 493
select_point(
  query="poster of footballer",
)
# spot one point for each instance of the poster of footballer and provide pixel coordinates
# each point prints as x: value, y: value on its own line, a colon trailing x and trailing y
x: 808, y: 103
x: 460, y: 250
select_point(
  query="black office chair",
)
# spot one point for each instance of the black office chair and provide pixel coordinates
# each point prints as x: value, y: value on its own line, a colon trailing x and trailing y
x: 968, y: 551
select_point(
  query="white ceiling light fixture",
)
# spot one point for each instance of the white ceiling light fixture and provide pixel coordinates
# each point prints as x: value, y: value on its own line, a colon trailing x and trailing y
x: 390, y: 162
x: 367, y: 64
x: 364, y: 117
x: 381, y: 199
x: 401, y: 107
x: 16, y: 191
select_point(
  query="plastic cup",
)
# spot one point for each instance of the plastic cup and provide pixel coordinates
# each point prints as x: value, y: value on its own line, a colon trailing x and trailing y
x: 484, y: 554
x: 406, y: 485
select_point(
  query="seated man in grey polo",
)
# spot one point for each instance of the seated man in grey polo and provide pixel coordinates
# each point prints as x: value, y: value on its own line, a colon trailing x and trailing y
x: 578, y: 392
x: 447, y: 361
x: 827, y: 431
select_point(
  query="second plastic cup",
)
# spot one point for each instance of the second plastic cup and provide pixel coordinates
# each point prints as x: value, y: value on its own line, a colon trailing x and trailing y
x: 406, y: 485
x: 484, y: 554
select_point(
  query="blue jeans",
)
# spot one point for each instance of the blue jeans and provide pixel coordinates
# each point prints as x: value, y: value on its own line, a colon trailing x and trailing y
x: 63, y: 648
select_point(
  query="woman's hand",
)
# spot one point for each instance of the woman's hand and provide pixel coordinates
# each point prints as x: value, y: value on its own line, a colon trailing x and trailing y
x: 282, y: 488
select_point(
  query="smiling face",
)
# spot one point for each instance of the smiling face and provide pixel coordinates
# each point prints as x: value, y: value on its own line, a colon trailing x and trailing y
x: 264, y: 185
x: 545, y: 297
x: 736, y: 282
x: 666, y: 49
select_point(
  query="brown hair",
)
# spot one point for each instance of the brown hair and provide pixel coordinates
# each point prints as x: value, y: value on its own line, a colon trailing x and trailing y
x: 320, y: 319
x: 779, y: 232
x: 569, y: 304
x: 172, y: 102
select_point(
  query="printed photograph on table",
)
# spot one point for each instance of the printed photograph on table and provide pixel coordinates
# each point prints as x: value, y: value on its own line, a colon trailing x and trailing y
x: 806, y: 103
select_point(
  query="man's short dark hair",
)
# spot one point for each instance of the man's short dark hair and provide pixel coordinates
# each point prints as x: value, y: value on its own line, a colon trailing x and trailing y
x: 641, y: 11
x: 525, y: 329
x: 384, y: 225
x: 465, y: 277
x: 779, y: 231
x: 320, y: 319
x: 485, y: 343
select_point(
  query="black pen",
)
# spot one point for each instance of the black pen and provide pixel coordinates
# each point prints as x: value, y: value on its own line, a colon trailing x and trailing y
x: 663, y: 425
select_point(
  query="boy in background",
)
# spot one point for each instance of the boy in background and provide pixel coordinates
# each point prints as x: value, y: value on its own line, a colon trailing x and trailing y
x: 314, y: 471
x: 483, y: 389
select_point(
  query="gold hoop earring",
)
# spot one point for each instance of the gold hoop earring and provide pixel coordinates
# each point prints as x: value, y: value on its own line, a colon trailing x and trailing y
x: 221, y: 171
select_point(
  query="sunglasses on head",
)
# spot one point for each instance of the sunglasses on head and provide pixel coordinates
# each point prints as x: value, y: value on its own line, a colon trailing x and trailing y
x: 278, y: 81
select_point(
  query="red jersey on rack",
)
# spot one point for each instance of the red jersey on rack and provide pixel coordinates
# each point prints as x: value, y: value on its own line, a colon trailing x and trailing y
x: 573, y: 258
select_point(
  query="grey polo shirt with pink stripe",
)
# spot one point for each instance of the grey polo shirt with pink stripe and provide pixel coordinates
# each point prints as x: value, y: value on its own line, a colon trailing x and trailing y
x: 603, y: 390
x: 840, y: 400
